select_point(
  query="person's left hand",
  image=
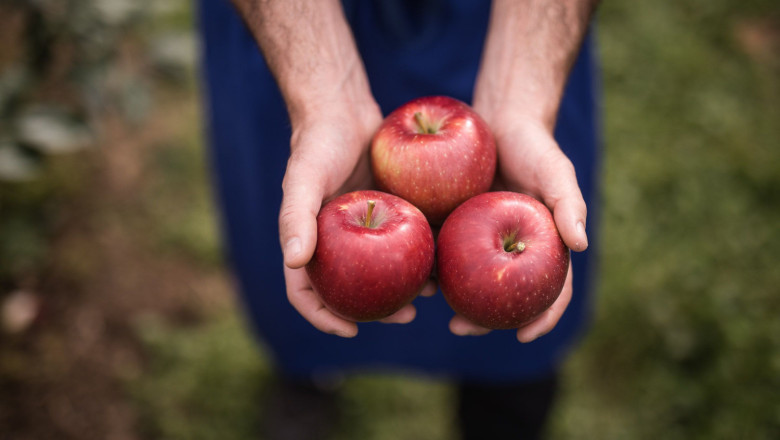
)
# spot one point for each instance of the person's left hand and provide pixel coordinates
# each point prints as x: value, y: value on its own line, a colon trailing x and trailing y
x: 530, y: 161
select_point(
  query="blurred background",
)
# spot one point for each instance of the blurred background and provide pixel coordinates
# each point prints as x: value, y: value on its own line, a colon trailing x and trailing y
x: 117, y: 314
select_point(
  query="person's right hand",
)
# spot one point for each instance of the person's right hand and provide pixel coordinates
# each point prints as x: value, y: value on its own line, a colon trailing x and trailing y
x: 309, y: 48
x: 329, y: 156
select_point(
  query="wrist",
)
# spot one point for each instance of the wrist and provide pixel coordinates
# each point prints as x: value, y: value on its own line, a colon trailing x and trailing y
x: 351, y: 97
x: 335, y: 123
x: 509, y: 114
x: 524, y: 111
x: 353, y: 111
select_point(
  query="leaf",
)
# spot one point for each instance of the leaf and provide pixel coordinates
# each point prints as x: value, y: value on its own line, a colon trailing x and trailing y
x: 14, y: 165
x: 52, y: 131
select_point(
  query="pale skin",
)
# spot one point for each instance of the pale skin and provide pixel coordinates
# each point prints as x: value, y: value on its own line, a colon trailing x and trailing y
x: 530, y: 48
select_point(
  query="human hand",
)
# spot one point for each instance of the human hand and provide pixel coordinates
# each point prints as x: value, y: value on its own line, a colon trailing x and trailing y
x: 529, y: 52
x: 530, y: 161
x: 329, y: 156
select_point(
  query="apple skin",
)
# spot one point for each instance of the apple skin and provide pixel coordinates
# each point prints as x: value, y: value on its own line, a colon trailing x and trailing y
x: 437, y: 171
x: 488, y: 285
x: 368, y: 273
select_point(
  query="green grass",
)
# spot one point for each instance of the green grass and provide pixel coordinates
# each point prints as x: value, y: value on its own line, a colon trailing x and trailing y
x: 182, y: 208
x: 201, y: 382
x: 388, y: 407
x: 686, y: 342
x: 210, y: 381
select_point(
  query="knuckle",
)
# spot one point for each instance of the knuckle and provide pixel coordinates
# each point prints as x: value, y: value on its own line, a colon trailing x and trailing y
x: 286, y: 218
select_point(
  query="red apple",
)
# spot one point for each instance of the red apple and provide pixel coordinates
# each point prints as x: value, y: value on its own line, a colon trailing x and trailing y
x: 374, y: 253
x: 435, y: 152
x: 500, y: 260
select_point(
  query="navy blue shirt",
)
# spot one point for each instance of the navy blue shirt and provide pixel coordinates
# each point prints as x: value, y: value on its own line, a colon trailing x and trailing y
x: 410, y: 49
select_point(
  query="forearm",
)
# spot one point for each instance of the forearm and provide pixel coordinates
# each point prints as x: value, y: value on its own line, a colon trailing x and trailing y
x: 310, y: 51
x: 530, y: 49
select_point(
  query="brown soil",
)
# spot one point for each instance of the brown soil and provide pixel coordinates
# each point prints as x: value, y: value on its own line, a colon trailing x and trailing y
x: 65, y: 376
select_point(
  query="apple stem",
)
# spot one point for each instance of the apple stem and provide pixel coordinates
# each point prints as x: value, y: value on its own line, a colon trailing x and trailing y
x: 422, y: 123
x: 516, y: 247
x: 370, y: 212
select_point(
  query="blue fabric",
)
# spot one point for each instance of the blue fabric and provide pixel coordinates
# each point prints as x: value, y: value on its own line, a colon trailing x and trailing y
x: 410, y: 49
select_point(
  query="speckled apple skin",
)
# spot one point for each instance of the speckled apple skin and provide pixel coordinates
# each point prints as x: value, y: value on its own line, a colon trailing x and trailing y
x: 492, y: 287
x: 435, y: 172
x: 365, y: 274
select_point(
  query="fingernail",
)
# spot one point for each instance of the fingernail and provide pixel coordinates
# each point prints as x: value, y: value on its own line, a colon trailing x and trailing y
x: 581, y: 232
x: 292, y: 248
x: 344, y: 334
x: 534, y: 337
x: 528, y: 340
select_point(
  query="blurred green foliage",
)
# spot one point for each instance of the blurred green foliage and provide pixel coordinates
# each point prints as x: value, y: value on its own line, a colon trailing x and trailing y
x: 687, y: 344
x: 201, y: 383
x: 65, y: 65
x: 182, y: 216
x: 210, y: 382
x: 388, y: 407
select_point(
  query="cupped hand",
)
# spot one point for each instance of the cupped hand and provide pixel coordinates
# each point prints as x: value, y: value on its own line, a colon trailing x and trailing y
x: 329, y: 156
x: 530, y: 161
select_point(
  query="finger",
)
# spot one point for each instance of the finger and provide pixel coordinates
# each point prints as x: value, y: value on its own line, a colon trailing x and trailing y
x: 308, y: 304
x: 564, y: 199
x: 570, y: 214
x: 298, y: 214
x: 547, y: 320
x: 403, y: 316
x: 463, y: 327
x: 428, y: 289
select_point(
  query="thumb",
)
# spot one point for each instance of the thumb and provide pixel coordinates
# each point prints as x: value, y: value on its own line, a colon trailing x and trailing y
x: 301, y: 202
x: 568, y: 207
x: 570, y: 214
